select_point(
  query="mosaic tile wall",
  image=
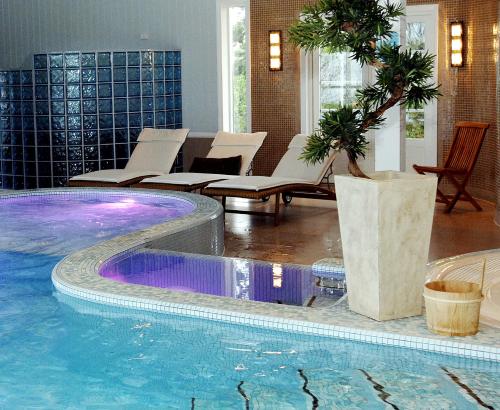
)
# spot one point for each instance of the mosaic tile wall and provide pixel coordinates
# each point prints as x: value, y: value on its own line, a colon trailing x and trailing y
x: 81, y: 112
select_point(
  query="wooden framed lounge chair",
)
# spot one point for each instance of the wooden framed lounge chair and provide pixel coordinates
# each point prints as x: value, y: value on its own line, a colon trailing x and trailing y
x: 467, y: 141
x: 154, y: 154
x: 291, y: 174
x: 224, y: 145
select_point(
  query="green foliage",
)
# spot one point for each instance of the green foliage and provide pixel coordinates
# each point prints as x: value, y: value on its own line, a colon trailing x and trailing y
x: 362, y: 28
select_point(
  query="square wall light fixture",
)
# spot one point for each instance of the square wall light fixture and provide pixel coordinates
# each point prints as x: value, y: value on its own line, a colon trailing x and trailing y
x: 457, y: 43
x: 275, y: 50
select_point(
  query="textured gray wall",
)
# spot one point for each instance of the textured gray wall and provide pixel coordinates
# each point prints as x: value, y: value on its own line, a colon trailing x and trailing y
x: 39, y: 26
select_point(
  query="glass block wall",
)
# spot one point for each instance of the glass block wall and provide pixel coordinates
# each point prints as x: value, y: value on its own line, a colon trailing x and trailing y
x: 79, y: 112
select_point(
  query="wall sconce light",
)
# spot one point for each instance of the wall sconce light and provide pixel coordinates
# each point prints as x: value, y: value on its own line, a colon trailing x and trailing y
x: 457, y: 43
x: 275, y: 51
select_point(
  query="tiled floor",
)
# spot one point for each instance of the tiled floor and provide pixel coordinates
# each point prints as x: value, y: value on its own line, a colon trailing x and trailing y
x: 307, y: 234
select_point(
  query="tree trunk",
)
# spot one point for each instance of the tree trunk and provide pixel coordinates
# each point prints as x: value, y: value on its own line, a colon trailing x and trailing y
x: 354, y: 168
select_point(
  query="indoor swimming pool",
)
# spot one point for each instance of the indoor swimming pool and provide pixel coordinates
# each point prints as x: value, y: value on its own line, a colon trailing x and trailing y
x: 60, y: 352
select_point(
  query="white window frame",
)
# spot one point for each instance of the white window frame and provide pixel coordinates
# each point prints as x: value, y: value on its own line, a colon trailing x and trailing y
x: 225, y: 95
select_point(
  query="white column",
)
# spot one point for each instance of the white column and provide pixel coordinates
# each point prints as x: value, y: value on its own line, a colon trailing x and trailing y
x: 390, y: 139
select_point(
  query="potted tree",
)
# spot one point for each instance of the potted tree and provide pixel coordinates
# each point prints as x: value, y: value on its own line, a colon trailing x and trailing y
x: 385, y: 217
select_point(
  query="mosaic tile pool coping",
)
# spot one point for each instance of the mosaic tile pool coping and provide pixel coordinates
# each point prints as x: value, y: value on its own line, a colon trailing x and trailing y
x: 77, y: 275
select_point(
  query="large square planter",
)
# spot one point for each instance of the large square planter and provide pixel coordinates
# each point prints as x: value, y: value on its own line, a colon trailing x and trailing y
x: 385, y: 225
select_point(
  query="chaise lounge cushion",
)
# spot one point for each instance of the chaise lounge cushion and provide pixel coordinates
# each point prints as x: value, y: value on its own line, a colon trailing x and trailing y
x: 116, y: 176
x: 256, y: 183
x: 186, y: 178
x: 227, y: 166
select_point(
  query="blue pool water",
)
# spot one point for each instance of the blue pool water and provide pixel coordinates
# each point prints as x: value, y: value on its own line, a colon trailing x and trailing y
x: 57, y: 352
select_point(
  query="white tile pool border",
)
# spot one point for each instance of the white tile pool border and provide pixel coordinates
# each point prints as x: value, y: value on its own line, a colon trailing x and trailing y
x: 77, y: 276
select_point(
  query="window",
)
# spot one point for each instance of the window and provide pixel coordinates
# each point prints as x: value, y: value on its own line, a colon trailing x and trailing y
x: 234, y: 78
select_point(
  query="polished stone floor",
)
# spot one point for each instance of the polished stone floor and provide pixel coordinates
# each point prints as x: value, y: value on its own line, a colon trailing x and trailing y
x: 308, y: 233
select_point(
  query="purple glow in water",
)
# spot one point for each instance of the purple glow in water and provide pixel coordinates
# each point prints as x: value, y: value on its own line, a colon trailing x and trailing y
x: 92, y: 215
x: 236, y: 278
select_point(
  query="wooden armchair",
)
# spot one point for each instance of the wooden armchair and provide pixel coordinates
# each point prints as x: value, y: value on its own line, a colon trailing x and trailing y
x: 469, y: 137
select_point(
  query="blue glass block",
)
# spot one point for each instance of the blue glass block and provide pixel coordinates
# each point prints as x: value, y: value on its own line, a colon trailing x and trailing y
x: 91, y: 166
x: 159, y: 74
x: 134, y: 89
x: 159, y: 89
x: 58, y: 138
x: 28, y: 122
x: 159, y: 118
x: 90, y: 137
x: 148, y: 119
x: 104, y: 75
x: 42, y: 123
x: 57, y: 91
x: 121, y: 150
x: 26, y: 77
x: 178, y: 87
x: 43, y: 138
x: 177, y: 58
x: 14, y: 77
x: 15, y: 107
x: 89, y: 75
x: 4, y: 123
x: 135, y: 120
x: 4, y: 92
x: 160, y: 103
x: 170, y: 58
x: 121, y: 105
x: 7, y: 182
x: 159, y: 58
x: 72, y: 60
x: 89, y: 106
x: 178, y: 102
x: 147, y: 89
x: 75, y: 153
x: 104, y: 59
x: 178, y: 118
x: 146, y: 57
x: 119, y: 59
x: 91, y: 153
x: 89, y: 91
x: 105, y: 121
x: 4, y: 138
x: 177, y: 73
x: 27, y: 93
x: 134, y: 74
x: 147, y: 104
x: 120, y: 89
x: 170, y: 103
x: 15, y: 93
x: 56, y: 76
x: 121, y: 135
x: 16, y: 122
x: 147, y: 74
x: 41, y: 77
x: 120, y: 75
x: 74, y: 138
x: 7, y: 155
x: 134, y: 104
x: 133, y: 135
x: 169, y: 118
x: 88, y: 60
x: 40, y: 61
x: 133, y: 58
x: 73, y: 76
x: 30, y: 155
x: 169, y: 73
x: 121, y: 121
x: 106, y: 137
x: 74, y: 122
x: 56, y: 61
x: 75, y: 168
x: 73, y: 107
x: 4, y: 108
x: 89, y: 122
x: 4, y: 77
x: 17, y: 139
x: 105, y: 90
x: 42, y: 108
x: 73, y: 91
x: 58, y: 123
x: 105, y: 106
x: 58, y: 154
x: 41, y: 92
x: 107, y: 151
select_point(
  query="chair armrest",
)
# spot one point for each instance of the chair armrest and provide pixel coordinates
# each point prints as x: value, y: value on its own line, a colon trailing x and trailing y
x: 439, y: 170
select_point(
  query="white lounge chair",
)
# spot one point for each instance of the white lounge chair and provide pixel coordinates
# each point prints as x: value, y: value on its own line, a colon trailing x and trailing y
x: 291, y: 177
x: 154, y: 154
x: 224, y: 145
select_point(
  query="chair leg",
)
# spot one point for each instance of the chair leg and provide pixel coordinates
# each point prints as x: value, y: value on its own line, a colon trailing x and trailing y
x: 224, y: 202
x: 461, y: 191
x: 277, y: 210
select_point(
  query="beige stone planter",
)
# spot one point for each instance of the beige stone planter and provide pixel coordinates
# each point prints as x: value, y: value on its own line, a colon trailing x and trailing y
x: 385, y: 224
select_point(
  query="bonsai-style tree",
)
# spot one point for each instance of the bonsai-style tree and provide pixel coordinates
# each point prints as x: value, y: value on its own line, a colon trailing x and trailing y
x: 362, y: 28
